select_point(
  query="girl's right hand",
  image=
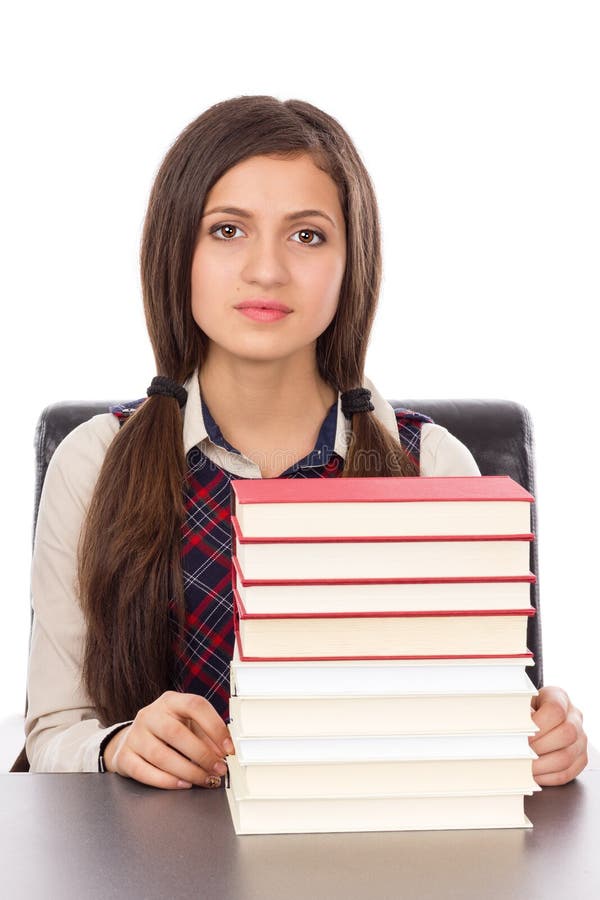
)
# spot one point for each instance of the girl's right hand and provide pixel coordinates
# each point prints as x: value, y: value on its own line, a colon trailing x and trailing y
x: 177, y: 741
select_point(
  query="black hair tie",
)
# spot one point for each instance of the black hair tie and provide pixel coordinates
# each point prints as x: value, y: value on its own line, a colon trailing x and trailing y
x: 168, y: 387
x: 356, y: 400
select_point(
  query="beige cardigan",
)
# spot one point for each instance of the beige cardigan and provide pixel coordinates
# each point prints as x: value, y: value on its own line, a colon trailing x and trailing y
x: 62, y: 731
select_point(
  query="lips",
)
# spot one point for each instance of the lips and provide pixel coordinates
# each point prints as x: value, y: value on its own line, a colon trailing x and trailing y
x: 258, y: 303
x: 261, y: 314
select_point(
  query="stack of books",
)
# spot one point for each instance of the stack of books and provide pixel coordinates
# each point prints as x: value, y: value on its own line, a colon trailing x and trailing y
x: 378, y: 680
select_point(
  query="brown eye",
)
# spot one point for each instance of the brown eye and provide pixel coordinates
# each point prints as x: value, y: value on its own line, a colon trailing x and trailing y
x: 216, y: 228
x: 311, y: 232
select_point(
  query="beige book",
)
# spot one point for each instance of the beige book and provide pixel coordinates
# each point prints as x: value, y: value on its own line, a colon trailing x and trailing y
x: 344, y: 779
x: 395, y: 813
x: 298, y: 716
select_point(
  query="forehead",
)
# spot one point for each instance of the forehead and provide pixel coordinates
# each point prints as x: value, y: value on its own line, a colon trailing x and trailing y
x: 265, y: 184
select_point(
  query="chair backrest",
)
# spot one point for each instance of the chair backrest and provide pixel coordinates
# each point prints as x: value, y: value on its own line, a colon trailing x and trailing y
x: 497, y: 432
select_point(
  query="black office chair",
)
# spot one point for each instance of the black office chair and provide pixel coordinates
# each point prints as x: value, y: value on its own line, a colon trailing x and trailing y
x: 497, y: 432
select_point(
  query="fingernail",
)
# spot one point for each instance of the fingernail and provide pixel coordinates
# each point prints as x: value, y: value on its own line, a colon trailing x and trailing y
x: 220, y: 767
x: 212, y: 781
x: 228, y: 747
x: 184, y: 784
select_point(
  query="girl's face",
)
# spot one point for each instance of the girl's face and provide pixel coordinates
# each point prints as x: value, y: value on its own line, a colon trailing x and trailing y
x: 263, y: 250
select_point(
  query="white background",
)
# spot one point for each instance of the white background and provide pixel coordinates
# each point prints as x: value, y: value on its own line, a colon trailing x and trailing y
x: 479, y: 125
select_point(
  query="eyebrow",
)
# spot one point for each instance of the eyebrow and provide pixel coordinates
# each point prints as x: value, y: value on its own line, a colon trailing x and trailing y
x: 290, y: 217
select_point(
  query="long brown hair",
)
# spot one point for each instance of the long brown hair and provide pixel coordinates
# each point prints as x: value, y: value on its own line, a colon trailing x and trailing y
x: 129, y: 566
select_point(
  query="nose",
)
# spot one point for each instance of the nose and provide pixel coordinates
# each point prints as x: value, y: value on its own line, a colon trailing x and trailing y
x: 265, y: 261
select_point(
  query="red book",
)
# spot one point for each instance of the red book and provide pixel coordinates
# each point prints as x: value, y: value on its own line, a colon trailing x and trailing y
x: 417, y: 506
x: 377, y: 595
x: 483, y: 634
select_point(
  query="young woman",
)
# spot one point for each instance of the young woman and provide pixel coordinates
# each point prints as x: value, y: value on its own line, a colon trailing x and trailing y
x: 261, y: 269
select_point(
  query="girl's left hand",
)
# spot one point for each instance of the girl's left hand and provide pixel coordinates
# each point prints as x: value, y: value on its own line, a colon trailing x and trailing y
x: 561, y: 742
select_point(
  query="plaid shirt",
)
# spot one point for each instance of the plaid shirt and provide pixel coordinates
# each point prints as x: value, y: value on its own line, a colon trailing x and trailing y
x: 204, y: 654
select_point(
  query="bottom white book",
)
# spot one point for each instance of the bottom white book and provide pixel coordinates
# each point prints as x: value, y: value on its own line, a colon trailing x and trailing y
x: 259, y: 815
x: 386, y: 778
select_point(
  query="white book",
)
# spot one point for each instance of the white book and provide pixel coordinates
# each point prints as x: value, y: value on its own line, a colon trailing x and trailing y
x: 356, y: 748
x: 327, y: 678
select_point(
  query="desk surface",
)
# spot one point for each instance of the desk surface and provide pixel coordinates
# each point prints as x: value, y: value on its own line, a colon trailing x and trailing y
x: 102, y: 836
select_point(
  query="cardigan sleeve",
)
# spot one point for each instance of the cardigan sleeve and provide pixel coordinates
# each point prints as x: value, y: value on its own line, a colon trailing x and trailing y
x: 63, y: 733
x: 442, y: 454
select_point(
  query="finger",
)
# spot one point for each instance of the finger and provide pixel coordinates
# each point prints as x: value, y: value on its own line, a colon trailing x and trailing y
x: 199, y: 732
x: 178, y: 736
x: 552, y: 710
x: 563, y: 777
x: 178, y: 739
x: 550, y: 692
x: 203, y: 714
x: 185, y: 737
x: 153, y: 751
x: 560, y: 760
x: 134, y: 766
x: 563, y: 735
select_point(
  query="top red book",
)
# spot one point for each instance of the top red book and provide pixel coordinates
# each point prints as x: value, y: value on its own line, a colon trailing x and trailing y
x: 395, y: 505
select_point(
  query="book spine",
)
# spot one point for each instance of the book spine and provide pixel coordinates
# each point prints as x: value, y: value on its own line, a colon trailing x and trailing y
x: 470, y: 579
x: 379, y: 538
x: 382, y: 614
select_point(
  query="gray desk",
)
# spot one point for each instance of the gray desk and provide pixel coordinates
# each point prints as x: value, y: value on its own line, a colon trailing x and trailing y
x: 90, y: 836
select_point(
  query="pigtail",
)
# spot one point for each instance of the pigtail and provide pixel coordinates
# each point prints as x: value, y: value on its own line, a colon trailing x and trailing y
x: 373, y: 452
x: 129, y: 571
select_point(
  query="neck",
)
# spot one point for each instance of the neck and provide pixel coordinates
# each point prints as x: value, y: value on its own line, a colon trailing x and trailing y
x: 279, y: 396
